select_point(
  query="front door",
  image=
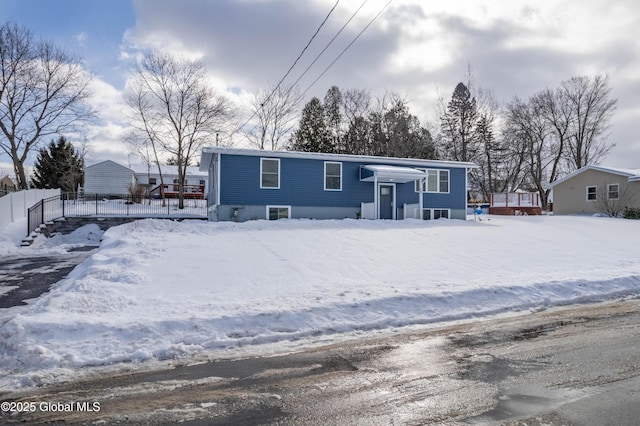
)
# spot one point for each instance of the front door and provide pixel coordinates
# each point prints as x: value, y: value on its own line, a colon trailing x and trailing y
x: 386, y: 201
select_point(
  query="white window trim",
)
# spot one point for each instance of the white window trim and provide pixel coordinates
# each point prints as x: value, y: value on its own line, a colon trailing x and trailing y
x: 278, y: 207
x: 586, y: 194
x: 325, y: 176
x: 425, y: 183
x: 431, y: 209
x: 270, y: 187
x: 609, y: 191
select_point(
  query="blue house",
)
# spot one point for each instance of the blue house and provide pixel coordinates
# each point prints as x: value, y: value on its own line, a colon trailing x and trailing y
x: 253, y: 184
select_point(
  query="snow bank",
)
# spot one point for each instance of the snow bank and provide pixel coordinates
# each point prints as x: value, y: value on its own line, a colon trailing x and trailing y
x: 160, y: 289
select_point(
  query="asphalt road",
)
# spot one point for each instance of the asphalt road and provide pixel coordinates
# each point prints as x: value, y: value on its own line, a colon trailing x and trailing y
x: 577, y: 365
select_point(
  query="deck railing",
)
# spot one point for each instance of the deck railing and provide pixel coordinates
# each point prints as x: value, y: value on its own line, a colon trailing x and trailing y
x: 515, y: 199
x: 113, y: 205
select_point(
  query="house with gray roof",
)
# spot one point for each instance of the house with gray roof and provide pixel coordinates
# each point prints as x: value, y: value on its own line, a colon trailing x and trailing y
x: 590, y: 189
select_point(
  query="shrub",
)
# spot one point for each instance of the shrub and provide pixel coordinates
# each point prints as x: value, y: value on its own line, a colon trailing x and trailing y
x: 631, y: 213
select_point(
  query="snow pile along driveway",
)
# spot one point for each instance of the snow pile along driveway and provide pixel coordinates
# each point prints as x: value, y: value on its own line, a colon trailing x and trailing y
x: 159, y: 289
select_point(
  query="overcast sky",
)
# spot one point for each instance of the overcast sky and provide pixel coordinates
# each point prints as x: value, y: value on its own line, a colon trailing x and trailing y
x: 419, y: 49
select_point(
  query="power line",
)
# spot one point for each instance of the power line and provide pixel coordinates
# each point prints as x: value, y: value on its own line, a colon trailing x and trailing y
x: 291, y: 67
x: 330, y: 42
x: 302, y: 53
x: 346, y: 48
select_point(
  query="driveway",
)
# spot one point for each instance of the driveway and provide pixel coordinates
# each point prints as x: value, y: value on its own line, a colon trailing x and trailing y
x: 23, y: 278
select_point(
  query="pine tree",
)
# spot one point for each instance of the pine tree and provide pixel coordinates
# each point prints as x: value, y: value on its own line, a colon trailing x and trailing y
x: 312, y: 134
x: 58, y: 166
x: 332, y: 103
x: 459, y: 142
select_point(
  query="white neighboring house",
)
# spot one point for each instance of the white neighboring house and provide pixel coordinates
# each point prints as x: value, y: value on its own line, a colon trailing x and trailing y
x: 109, y: 177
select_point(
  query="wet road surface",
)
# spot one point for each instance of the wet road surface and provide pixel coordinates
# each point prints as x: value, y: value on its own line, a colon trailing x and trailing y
x: 577, y: 365
x: 27, y: 277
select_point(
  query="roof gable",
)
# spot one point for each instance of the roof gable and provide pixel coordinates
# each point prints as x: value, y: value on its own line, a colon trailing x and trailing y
x: 631, y: 174
x: 107, y: 162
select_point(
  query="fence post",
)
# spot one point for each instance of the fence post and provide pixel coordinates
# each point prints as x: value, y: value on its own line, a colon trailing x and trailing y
x: 95, y: 200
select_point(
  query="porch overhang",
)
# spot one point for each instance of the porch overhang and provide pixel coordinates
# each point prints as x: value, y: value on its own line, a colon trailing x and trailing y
x: 394, y: 174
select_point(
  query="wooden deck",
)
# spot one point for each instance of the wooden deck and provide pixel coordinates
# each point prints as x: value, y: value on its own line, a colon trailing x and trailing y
x: 515, y: 204
x: 171, y: 190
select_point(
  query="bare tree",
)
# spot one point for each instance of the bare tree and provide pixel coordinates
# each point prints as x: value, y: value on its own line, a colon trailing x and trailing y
x: 355, y: 107
x: 613, y: 200
x: 275, y: 112
x: 43, y: 91
x: 142, y: 136
x: 592, y: 108
x: 527, y: 124
x: 175, y: 108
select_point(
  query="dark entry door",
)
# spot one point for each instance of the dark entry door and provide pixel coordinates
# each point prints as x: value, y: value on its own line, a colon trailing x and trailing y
x: 385, y: 201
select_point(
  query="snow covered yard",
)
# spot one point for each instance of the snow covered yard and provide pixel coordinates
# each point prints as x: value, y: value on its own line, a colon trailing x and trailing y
x: 159, y: 289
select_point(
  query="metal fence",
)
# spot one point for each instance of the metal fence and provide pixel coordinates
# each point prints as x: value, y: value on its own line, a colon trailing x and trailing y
x: 110, y: 205
x: 113, y: 205
x: 43, y: 211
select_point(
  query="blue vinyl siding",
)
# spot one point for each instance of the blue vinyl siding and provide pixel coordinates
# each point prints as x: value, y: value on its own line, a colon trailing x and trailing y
x: 457, y: 196
x: 302, y: 184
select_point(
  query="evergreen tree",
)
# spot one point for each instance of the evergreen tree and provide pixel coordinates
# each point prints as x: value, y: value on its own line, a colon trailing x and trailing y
x: 333, y: 114
x: 58, y: 166
x: 312, y: 134
x: 459, y: 121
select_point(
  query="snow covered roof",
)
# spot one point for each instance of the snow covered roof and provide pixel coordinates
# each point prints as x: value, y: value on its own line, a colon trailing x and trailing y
x: 140, y: 169
x: 208, y: 152
x: 633, y: 175
x: 386, y: 173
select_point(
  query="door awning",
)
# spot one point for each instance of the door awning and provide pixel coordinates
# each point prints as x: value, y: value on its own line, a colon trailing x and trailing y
x: 383, y: 173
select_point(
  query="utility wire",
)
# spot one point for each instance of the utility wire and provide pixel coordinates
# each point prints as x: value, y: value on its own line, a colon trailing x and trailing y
x: 330, y: 42
x: 302, y: 53
x: 348, y: 46
x: 290, y: 68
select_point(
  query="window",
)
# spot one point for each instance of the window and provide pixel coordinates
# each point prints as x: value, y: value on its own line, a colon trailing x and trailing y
x: 332, y: 176
x: 613, y: 191
x: 270, y: 173
x: 436, y: 181
x: 429, y: 214
x: 444, y: 181
x: 152, y: 181
x: 591, y: 193
x: 278, y: 212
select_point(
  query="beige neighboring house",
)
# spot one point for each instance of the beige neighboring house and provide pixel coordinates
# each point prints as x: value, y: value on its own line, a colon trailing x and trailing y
x: 7, y: 184
x: 590, y: 189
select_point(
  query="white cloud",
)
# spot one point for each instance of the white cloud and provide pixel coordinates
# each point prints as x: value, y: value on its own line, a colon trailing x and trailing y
x: 80, y: 38
x: 415, y: 48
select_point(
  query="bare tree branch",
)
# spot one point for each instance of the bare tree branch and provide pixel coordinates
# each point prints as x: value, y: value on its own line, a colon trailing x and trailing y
x: 43, y: 91
x: 175, y: 110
